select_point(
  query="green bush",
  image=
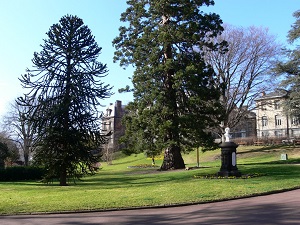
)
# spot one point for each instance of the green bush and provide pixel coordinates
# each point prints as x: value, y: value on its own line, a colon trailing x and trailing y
x: 20, y: 173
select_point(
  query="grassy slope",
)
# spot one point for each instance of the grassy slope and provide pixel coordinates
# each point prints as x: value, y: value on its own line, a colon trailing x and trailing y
x: 117, y: 186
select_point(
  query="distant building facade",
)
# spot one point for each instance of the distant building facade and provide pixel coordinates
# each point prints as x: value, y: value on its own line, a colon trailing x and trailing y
x: 267, y: 122
x: 112, y: 125
x: 272, y: 121
x: 246, y: 127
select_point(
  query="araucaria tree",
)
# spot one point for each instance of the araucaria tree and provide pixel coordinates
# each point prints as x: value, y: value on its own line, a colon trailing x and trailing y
x: 174, y: 99
x: 65, y: 88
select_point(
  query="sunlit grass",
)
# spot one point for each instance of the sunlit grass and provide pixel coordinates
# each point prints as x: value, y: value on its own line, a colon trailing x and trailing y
x: 117, y: 186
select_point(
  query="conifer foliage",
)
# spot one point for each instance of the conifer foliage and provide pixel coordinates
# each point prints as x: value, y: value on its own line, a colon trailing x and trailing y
x: 174, y: 99
x: 291, y: 69
x: 65, y: 87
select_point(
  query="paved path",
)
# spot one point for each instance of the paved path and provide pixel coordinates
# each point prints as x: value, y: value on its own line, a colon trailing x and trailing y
x: 275, y: 209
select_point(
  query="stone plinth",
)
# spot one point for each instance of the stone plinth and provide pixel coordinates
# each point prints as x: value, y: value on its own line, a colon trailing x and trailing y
x: 228, y: 159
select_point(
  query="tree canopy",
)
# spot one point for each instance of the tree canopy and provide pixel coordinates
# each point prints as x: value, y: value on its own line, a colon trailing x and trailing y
x: 21, y: 130
x: 244, y: 71
x: 4, y: 153
x: 291, y: 69
x: 175, y: 100
x: 64, y: 92
x: 8, y: 150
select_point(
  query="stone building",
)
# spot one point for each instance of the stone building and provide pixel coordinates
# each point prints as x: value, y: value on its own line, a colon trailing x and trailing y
x: 111, y: 125
x: 246, y: 128
x: 268, y: 123
x: 272, y: 122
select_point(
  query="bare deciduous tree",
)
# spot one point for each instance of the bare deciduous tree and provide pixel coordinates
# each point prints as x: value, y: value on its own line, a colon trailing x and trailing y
x: 20, y: 129
x: 243, y: 72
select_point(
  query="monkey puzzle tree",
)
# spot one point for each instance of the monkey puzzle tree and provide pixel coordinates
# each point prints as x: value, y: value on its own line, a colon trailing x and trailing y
x: 65, y: 89
x: 174, y: 99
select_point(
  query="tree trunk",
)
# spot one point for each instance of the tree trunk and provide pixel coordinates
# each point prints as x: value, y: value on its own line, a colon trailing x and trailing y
x: 172, y: 159
x: 172, y: 156
x: 63, y: 176
x: 26, y: 160
x: 2, y: 164
x: 26, y: 151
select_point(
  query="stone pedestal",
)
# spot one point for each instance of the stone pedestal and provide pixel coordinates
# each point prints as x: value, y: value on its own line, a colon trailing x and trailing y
x: 228, y: 159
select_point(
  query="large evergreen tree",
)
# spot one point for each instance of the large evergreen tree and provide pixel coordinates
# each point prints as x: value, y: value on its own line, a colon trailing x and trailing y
x: 291, y: 68
x: 65, y: 89
x: 174, y: 99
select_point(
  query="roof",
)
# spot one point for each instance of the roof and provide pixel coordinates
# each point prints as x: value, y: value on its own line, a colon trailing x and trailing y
x: 279, y: 93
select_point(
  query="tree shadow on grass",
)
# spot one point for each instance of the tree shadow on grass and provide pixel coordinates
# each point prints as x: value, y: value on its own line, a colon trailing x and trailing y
x: 126, y: 162
x: 137, y: 177
x: 270, y: 148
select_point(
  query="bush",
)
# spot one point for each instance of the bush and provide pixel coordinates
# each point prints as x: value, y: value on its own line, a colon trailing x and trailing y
x: 20, y: 173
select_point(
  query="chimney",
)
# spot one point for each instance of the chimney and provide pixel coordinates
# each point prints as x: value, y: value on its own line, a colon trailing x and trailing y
x: 119, y: 104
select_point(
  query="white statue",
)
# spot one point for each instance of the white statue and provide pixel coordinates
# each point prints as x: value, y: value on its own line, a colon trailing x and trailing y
x: 227, y: 135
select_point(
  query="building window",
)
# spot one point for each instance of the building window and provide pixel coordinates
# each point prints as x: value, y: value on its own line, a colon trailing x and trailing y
x: 278, y: 133
x: 249, y: 127
x: 108, y: 112
x: 243, y: 133
x: 263, y: 106
x: 264, y: 121
x: 277, y: 121
x: 276, y: 105
x: 295, y: 120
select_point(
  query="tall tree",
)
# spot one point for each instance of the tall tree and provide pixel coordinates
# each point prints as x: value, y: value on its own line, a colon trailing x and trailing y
x: 291, y: 69
x: 243, y: 72
x: 174, y: 99
x: 9, y: 152
x: 4, y: 153
x: 21, y: 130
x: 65, y: 89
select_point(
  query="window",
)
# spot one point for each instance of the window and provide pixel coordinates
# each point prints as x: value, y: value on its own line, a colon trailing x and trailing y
x: 276, y: 104
x: 243, y: 133
x: 263, y: 106
x: 277, y: 121
x: 278, y: 133
x: 295, y: 120
x: 264, y: 121
x: 250, y: 128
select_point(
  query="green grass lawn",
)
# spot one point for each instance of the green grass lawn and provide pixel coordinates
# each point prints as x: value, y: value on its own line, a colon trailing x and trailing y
x: 117, y: 186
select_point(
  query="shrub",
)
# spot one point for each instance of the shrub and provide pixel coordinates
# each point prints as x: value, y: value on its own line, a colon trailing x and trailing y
x: 20, y: 173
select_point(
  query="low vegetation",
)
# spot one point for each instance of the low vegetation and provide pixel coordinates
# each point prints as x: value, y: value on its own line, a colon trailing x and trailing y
x: 18, y: 173
x: 129, y: 182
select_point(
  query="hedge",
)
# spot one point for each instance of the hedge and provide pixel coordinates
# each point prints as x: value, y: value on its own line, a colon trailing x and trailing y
x: 20, y: 173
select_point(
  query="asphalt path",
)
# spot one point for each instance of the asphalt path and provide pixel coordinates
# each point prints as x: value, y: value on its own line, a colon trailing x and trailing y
x: 274, y: 209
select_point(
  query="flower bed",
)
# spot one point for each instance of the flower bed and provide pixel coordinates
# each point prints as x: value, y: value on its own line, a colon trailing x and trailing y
x: 214, y: 176
x: 144, y: 166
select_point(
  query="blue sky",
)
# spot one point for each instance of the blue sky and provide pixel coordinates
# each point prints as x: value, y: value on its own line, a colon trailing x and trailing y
x: 24, y: 24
